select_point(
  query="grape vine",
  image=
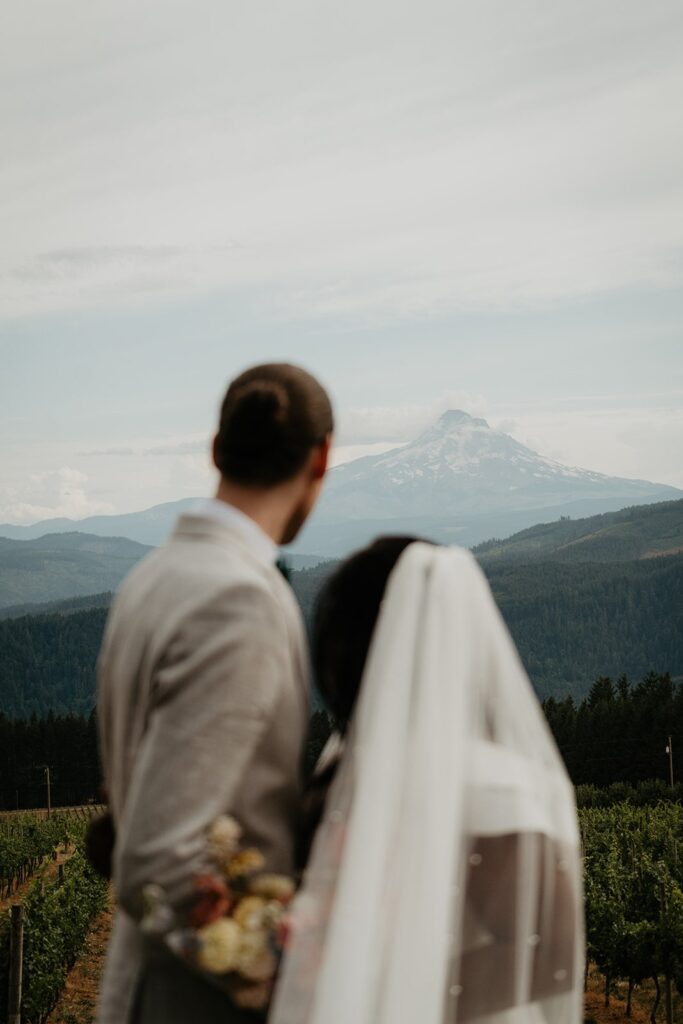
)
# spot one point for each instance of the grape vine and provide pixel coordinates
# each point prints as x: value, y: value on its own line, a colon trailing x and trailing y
x: 633, y: 868
x: 58, y: 916
x: 25, y: 841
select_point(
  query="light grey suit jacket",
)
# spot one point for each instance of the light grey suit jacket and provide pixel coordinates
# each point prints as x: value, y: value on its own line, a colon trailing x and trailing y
x: 203, y: 708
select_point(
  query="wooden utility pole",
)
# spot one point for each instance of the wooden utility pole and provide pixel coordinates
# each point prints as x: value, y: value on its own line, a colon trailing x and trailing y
x: 16, y: 964
x: 49, y: 793
x: 670, y: 752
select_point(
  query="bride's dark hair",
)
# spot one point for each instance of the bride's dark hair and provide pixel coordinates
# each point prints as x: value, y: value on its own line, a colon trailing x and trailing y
x: 345, y: 618
x: 346, y: 613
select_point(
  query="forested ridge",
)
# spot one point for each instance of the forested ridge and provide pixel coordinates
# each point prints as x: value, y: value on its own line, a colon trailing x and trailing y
x: 62, y: 607
x: 575, y: 622
x: 47, y: 662
x: 63, y: 565
x: 642, y: 531
x: 572, y: 623
x: 67, y: 744
x: 618, y: 733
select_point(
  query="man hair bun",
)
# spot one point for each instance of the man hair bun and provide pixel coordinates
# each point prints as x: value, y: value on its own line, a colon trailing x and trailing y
x: 259, y: 411
x: 271, y: 418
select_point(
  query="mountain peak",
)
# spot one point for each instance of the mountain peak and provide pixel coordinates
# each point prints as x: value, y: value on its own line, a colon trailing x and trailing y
x: 461, y: 467
x: 457, y: 418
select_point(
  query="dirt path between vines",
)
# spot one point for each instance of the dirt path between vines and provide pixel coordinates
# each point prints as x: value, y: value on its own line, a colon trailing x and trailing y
x: 48, y: 870
x: 615, y: 1013
x: 78, y: 1000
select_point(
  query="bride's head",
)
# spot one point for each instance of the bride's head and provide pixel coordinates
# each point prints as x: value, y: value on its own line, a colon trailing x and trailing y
x: 346, y: 614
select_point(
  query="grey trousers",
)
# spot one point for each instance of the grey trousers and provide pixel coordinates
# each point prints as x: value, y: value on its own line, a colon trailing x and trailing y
x: 168, y: 993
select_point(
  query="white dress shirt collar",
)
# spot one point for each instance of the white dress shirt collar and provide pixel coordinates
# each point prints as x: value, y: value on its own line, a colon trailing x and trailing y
x: 249, y: 530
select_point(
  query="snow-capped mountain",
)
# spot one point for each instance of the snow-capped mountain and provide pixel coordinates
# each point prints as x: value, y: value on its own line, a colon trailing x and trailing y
x: 461, y: 466
x: 459, y: 482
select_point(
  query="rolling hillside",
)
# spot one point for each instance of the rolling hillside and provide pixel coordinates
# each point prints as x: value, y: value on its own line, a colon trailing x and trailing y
x: 572, y: 623
x: 65, y: 565
x: 582, y: 598
x: 151, y: 526
x: 63, y: 607
x: 70, y: 567
x: 645, y: 531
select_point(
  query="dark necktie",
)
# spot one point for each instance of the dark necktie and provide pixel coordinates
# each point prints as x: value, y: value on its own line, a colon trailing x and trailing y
x: 283, y: 567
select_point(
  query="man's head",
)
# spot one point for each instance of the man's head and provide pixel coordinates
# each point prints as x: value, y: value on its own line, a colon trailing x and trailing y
x: 273, y: 441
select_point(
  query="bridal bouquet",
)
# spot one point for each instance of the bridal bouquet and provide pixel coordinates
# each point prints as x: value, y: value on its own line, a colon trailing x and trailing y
x: 237, y: 928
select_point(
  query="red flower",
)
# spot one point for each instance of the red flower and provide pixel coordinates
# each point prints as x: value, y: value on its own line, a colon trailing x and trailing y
x: 283, y: 933
x: 215, y: 900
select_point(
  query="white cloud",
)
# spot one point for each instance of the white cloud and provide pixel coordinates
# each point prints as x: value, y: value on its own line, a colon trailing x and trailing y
x: 95, y: 482
x: 348, y: 452
x: 52, y: 494
x: 179, y: 448
x: 190, y: 447
x: 99, y: 275
x: 390, y: 161
x: 633, y: 442
x: 400, y: 423
x: 117, y: 452
x: 330, y: 169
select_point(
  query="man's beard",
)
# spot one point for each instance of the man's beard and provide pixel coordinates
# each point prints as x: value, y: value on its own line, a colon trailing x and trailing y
x: 295, y: 522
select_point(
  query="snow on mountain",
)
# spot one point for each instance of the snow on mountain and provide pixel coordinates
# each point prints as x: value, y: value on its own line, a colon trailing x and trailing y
x: 460, y: 466
x: 460, y: 482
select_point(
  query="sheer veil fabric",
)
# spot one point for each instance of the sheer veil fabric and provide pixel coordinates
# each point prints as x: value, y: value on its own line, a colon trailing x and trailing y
x: 445, y: 880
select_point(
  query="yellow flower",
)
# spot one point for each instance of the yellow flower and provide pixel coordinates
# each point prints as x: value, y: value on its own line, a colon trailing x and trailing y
x: 273, y: 887
x: 223, y: 838
x: 255, y: 960
x: 220, y: 948
x: 249, y: 913
x: 245, y: 863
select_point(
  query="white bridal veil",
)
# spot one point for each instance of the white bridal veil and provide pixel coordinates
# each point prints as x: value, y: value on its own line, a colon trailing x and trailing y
x: 444, y: 884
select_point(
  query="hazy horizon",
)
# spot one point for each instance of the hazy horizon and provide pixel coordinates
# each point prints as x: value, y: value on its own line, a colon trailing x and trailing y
x: 341, y: 455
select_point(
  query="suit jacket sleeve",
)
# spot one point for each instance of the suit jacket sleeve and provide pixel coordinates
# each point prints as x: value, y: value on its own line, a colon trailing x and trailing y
x: 214, y: 696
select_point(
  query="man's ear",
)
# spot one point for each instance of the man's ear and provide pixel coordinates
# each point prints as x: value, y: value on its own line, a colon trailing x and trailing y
x: 214, y: 451
x: 320, y: 458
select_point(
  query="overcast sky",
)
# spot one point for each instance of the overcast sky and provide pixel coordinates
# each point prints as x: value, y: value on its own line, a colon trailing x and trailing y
x: 428, y: 204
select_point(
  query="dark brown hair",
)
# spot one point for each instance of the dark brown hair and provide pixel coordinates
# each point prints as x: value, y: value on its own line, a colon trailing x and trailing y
x: 345, y: 619
x: 271, y: 418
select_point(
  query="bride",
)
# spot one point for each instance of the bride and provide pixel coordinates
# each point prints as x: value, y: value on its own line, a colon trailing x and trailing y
x: 444, y: 882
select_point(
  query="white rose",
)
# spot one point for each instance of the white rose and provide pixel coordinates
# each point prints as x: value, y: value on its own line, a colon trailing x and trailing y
x: 273, y: 887
x: 255, y: 960
x: 220, y: 945
x: 223, y: 839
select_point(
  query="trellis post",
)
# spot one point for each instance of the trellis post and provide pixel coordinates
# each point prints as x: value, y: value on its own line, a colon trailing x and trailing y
x: 16, y: 964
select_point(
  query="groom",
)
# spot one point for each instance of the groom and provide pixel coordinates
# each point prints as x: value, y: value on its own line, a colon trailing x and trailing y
x: 203, y: 688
